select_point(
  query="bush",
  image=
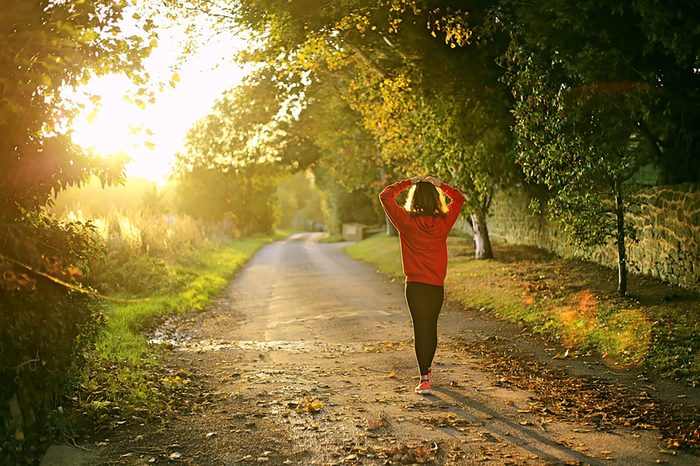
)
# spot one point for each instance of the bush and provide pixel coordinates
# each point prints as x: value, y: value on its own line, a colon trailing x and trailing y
x: 44, y: 336
x: 48, y: 330
x: 140, y: 249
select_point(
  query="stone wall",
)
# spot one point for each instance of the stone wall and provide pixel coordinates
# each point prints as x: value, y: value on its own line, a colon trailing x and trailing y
x: 667, y: 224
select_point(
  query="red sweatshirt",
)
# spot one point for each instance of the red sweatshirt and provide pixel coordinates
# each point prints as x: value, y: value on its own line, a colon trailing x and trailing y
x: 423, y: 238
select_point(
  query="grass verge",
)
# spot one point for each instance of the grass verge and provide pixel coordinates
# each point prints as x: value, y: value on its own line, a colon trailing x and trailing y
x: 121, y: 381
x: 657, y: 328
x: 332, y: 238
x: 207, y: 272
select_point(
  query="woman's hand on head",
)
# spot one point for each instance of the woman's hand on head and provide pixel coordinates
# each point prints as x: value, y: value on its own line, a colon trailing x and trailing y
x: 416, y: 179
x: 434, y: 180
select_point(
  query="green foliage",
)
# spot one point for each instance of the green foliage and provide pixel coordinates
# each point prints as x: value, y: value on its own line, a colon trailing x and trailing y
x: 381, y: 96
x: 46, y: 46
x: 594, y: 91
x: 341, y: 205
x: 443, y: 108
x: 244, y: 198
x: 60, y: 249
x: 44, y: 339
x: 44, y: 335
x: 299, y: 202
x: 45, y: 328
x: 135, y: 274
x: 230, y: 168
x: 593, y: 106
x: 346, y: 150
x: 242, y: 128
x: 595, y: 79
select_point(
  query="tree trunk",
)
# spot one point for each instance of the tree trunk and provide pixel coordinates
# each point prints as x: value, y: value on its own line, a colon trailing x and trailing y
x: 620, y: 239
x: 390, y: 228
x: 482, y: 242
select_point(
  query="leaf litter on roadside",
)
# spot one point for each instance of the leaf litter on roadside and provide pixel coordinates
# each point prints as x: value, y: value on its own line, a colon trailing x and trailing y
x: 597, y: 402
x: 386, y: 346
x: 393, y: 453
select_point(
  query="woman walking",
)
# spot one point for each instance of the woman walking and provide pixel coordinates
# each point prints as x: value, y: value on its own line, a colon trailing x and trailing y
x: 423, y: 225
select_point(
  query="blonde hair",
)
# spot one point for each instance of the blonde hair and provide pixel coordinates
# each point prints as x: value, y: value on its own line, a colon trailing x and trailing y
x: 425, y: 199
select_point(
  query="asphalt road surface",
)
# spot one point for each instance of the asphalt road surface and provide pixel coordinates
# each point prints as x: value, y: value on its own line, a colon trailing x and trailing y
x: 307, y: 358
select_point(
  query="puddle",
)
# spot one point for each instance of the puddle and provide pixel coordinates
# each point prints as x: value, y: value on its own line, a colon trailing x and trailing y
x: 170, y: 337
x: 184, y: 342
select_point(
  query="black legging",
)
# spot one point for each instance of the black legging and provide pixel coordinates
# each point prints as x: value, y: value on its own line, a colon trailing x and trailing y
x: 424, y: 301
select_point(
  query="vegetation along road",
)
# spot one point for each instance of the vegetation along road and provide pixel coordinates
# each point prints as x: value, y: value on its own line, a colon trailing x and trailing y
x: 307, y: 359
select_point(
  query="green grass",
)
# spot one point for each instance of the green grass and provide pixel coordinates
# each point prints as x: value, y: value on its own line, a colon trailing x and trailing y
x: 122, y: 378
x: 332, y: 238
x: 211, y: 269
x: 571, y: 301
x: 284, y: 233
x: 380, y: 250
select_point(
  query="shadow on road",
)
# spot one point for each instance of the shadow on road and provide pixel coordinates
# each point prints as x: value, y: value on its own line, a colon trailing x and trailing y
x: 526, y: 439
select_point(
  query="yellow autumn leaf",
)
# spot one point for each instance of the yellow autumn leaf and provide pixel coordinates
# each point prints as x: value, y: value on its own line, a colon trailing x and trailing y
x: 316, y: 405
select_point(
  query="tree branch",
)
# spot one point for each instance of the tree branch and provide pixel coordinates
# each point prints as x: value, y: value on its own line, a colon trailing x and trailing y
x: 367, y: 61
x: 655, y: 142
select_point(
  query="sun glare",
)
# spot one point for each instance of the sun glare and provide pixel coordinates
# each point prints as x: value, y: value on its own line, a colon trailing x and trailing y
x: 152, y: 135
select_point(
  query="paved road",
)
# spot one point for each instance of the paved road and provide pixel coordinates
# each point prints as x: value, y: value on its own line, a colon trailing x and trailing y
x: 307, y: 359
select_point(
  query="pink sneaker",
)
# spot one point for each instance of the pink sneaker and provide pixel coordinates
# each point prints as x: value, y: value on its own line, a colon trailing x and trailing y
x: 423, y: 387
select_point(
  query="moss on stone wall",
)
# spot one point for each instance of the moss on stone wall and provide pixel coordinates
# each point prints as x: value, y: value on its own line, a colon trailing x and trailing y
x: 666, y: 221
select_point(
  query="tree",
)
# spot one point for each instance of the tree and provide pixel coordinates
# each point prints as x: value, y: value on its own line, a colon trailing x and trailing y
x: 45, y: 321
x: 592, y: 107
x: 347, y: 166
x: 244, y: 198
x: 48, y: 46
x: 231, y: 165
x: 408, y: 87
x: 299, y: 202
x: 443, y: 106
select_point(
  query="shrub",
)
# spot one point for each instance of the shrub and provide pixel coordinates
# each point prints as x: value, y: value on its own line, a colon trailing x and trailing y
x: 45, y: 327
